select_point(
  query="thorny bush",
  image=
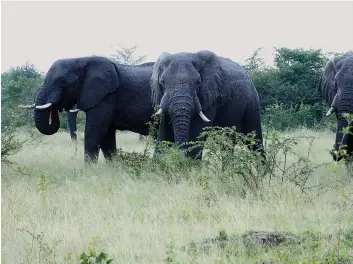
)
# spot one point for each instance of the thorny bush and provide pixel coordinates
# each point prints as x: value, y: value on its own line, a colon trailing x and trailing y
x: 227, y: 159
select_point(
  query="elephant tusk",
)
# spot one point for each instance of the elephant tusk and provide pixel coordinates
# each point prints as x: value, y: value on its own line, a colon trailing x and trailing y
x: 203, y: 117
x: 43, y: 106
x: 160, y: 111
x: 330, y: 111
x: 28, y: 106
x: 73, y: 111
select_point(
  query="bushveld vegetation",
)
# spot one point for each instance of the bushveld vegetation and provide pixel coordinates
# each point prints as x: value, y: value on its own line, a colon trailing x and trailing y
x: 296, y: 207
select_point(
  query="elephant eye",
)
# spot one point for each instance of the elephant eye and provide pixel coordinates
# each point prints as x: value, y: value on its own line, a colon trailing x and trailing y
x: 162, y: 82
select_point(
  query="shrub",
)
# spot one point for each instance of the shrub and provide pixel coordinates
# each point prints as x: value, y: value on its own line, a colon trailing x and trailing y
x: 228, y: 162
x: 229, y: 157
x: 92, y: 257
x: 19, y: 86
x: 281, y: 117
x: 10, y: 145
x: 288, y: 90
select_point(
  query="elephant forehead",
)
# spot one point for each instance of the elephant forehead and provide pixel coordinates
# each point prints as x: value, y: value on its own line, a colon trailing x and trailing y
x: 181, y: 67
x: 182, y: 58
x: 182, y: 55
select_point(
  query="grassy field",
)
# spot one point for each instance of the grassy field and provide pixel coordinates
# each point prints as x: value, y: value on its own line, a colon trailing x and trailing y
x: 53, y: 208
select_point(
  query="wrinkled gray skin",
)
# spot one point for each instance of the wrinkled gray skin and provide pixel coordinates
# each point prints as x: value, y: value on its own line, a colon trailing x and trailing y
x: 185, y: 84
x: 113, y: 96
x: 336, y: 88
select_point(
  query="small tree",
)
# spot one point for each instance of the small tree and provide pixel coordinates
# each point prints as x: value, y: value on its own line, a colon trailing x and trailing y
x: 127, y: 55
x: 19, y: 85
x: 254, y: 62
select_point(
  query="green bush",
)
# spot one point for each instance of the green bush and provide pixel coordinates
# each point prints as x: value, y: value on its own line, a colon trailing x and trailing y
x: 10, y: 145
x: 92, y: 257
x: 227, y: 163
x: 18, y: 86
x: 21, y: 90
x: 281, y: 117
x: 288, y: 90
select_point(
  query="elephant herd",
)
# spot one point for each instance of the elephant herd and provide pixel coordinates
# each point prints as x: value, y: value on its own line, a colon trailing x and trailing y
x: 191, y: 90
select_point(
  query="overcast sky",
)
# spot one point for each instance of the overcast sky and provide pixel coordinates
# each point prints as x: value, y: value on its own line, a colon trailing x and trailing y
x: 41, y: 32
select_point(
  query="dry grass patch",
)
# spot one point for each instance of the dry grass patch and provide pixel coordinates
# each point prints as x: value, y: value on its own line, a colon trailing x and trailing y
x: 152, y: 220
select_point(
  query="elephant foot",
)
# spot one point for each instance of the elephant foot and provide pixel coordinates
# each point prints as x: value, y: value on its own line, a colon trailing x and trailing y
x: 91, y: 159
x: 157, y: 152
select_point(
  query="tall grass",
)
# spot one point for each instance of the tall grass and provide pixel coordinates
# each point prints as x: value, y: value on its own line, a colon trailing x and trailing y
x: 53, y: 208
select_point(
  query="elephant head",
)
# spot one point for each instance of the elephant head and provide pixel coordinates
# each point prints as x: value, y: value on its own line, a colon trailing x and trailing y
x: 82, y: 81
x: 336, y: 87
x: 183, y: 86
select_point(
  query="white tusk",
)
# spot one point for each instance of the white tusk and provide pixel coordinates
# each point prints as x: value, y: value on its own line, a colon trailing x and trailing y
x: 160, y: 111
x: 330, y: 111
x: 203, y: 117
x: 43, y: 106
x: 27, y: 106
x: 73, y: 111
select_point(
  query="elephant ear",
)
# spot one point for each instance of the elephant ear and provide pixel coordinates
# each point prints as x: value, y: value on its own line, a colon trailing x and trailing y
x: 344, y: 76
x: 156, y: 89
x: 99, y: 78
x: 211, y: 80
x: 327, y: 85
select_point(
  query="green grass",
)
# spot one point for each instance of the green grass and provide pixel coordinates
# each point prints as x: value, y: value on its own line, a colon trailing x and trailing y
x: 155, y: 220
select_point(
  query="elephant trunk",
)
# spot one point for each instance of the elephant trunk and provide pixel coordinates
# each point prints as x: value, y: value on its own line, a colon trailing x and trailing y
x: 342, y: 137
x: 181, y: 127
x: 180, y: 108
x: 47, y: 120
x: 46, y: 115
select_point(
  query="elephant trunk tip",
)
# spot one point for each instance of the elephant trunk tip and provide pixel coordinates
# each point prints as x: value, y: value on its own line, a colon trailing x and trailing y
x: 47, y: 121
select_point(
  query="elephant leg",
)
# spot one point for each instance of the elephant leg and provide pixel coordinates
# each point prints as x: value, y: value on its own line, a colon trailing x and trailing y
x: 165, y: 133
x: 108, y: 145
x: 195, y: 130
x: 252, y: 123
x: 74, y: 136
x: 92, y: 141
x: 196, y: 150
x: 98, y: 121
x: 71, y: 119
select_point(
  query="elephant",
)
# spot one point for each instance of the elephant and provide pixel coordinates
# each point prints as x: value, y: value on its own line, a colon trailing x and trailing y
x: 114, y: 97
x: 196, y: 90
x: 336, y: 88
